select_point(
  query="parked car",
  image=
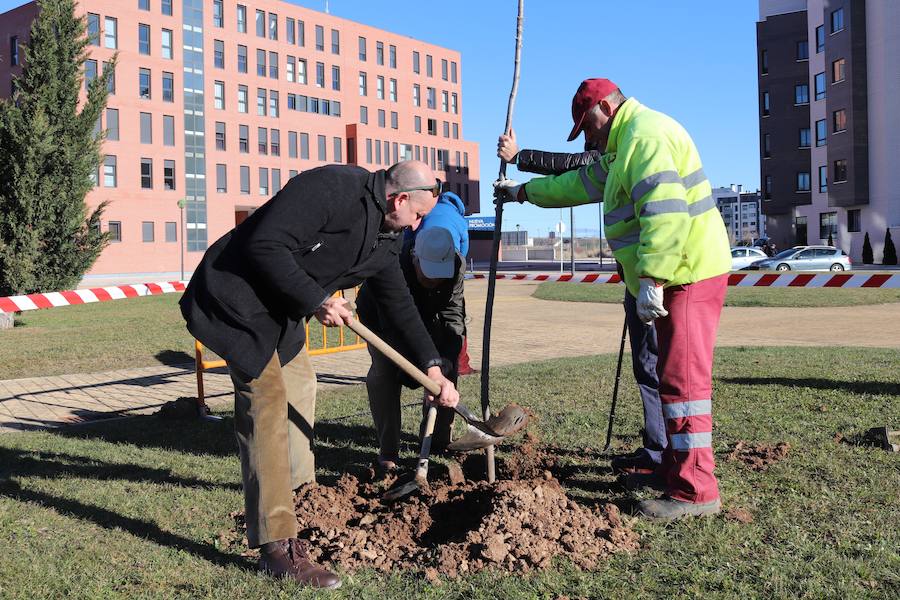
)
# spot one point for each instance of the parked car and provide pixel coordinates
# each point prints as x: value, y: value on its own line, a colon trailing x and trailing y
x: 806, y: 258
x: 743, y: 257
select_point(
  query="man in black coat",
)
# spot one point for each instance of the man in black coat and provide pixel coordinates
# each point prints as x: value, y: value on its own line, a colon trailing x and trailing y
x: 329, y: 229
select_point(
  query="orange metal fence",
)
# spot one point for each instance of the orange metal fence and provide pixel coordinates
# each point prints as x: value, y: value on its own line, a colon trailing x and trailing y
x: 344, y: 343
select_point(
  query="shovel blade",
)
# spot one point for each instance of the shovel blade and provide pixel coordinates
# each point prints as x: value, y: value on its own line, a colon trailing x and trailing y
x: 508, y: 421
x: 401, y: 489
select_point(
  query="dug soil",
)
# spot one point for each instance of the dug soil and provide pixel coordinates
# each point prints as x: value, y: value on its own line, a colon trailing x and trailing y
x: 458, y: 526
x: 759, y: 457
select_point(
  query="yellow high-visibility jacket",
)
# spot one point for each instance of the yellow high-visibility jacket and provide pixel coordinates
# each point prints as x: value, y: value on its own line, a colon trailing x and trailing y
x: 660, y: 217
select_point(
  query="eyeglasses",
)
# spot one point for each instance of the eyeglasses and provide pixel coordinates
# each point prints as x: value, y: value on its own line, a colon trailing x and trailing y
x: 435, y: 189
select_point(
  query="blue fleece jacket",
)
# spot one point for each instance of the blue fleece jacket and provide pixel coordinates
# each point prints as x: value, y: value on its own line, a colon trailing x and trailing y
x: 449, y: 213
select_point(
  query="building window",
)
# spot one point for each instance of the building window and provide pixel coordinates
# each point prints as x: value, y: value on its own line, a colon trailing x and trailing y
x: 275, y: 142
x: 823, y: 178
x: 416, y: 68
x: 320, y: 38
x: 827, y: 225
x: 115, y: 231
x: 381, y: 118
x: 260, y: 102
x: 456, y: 131
x: 820, y: 39
x: 392, y: 90
x: 242, y: 59
x: 362, y: 49
x: 837, y: 20
x: 417, y: 95
x: 445, y: 101
x: 112, y: 124
x: 90, y: 72
x: 364, y: 115
x: 263, y: 181
x: 394, y: 120
x: 767, y: 145
x: 803, y: 181
x: 218, y: 14
x: 167, y: 43
x: 166, y: 6
x: 429, y: 66
x: 417, y: 124
x: 338, y: 144
x: 454, y: 103
x: 304, y: 146
x: 221, y: 179
x: 262, y: 140
x: 767, y: 188
x: 432, y: 98
x: 110, y: 35
x: 840, y: 170
x: 820, y: 86
x: 292, y: 144
x: 392, y: 56
x: 446, y: 128
x: 301, y: 33
x: 260, y: 23
x: 171, y: 232
x: 452, y: 71
x: 444, y: 69
x: 801, y: 93
x: 273, y: 65
x: 322, y: 147
x: 219, y: 95
x: 821, y: 133
x: 320, y: 74
x: 291, y: 34
x: 168, y: 130
x: 379, y: 87
x: 245, y: 179
x: 803, y: 50
x: 273, y: 104
x: 169, y: 174
x: 839, y: 120
x: 111, y: 82
x: 765, y: 104
x: 276, y: 180
x: 143, y: 39
x: 242, y: 99
x: 273, y: 26
x: 837, y: 70
x: 379, y: 53
x: 144, y: 83
x: 220, y: 135
x: 301, y: 71
x: 336, y: 78
x: 854, y: 220
x: 146, y: 128
x: 432, y: 126
x: 335, y: 41
x: 146, y: 173
x: 805, y: 137
x: 243, y: 139
x: 93, y: 32
x: 218, y: 54
x: 241, y: 18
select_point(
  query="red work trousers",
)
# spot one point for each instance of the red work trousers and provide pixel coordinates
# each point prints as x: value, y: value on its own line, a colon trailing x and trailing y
x: 686, y: 339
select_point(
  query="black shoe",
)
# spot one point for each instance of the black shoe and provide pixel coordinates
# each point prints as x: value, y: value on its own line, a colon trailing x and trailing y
x: 288, y: 558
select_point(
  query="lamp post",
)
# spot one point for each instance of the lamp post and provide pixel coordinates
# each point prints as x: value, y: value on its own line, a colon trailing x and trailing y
x: 181, y: 204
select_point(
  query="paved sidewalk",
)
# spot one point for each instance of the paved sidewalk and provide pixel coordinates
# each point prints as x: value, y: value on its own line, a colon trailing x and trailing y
x: 524, y: 329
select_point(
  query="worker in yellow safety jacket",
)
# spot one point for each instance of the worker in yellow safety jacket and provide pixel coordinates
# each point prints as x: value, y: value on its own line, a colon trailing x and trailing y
x: 663, y: 226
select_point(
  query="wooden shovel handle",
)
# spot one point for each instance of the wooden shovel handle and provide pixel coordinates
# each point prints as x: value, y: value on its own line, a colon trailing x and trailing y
x: 410, y: 369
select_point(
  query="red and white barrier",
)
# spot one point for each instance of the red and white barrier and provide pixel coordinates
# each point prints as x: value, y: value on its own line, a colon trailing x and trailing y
x: 828, y: 280
x: 34, y: 301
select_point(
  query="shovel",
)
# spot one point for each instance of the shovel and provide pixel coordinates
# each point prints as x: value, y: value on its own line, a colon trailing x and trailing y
x: 479, y: 434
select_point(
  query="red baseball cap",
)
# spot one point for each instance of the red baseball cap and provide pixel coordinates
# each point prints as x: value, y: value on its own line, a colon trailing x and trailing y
x: 590, y: 92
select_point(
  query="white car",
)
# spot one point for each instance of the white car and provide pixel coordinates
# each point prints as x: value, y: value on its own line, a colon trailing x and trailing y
x: 742, y: 257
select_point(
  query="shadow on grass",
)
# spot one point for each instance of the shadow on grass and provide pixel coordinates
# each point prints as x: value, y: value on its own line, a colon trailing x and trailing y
x: 875, y: 388
x: 175, y: 358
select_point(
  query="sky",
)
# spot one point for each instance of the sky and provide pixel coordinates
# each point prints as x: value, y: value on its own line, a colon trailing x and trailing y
x: 694, y: 60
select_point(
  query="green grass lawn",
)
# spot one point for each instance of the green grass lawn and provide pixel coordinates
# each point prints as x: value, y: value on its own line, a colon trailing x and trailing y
x: 134, y: 508
x: 138, y: 332
x: 737, y: 296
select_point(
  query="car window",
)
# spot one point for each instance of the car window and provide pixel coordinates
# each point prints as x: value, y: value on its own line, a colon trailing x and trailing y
x: 737, y: 253
x: 805, y: 255
x: 756, y: 252
x: 824, y: 252
x: 785, y: 253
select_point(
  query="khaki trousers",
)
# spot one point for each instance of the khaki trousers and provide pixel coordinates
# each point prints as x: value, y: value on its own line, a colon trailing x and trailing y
x: 273, y: 421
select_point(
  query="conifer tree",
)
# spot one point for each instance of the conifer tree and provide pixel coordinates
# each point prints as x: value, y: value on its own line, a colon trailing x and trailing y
x: 48, y: 237
x: 889, y: 256
x: 867, y: 255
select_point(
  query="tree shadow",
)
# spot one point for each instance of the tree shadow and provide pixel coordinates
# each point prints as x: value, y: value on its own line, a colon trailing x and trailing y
x: 875, y: 388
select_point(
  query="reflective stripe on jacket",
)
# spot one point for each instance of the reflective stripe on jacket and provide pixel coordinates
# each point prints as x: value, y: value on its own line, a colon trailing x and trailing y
x: 660, y: 217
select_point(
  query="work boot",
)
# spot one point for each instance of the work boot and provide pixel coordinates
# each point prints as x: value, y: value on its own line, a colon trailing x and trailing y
x: 638, y: 481
x: 636, y: 462
x: 668, y: 509
x: 288, y: 558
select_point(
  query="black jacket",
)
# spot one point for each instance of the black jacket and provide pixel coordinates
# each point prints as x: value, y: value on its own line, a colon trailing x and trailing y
x: 443, y: 311
x: 553, y: 163
x: 321, y: 233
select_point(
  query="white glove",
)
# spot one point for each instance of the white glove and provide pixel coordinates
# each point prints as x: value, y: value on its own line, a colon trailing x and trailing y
x: 650, y: 300
x: 507, y: 190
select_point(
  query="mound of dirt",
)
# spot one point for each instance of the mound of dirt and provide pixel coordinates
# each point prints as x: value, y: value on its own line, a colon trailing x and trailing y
x: 759, y: 457
x: 455, y: 529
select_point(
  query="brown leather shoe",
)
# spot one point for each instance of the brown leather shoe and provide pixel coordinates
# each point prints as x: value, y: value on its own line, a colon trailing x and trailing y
x: 288, y: 558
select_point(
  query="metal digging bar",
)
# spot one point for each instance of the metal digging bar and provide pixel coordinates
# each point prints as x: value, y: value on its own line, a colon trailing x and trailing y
x: 495, y: 253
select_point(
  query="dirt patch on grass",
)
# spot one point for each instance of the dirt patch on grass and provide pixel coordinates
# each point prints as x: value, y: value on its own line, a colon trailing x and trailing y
x: 459, y: 526
x: 739, y: 515
x: 759, y: 457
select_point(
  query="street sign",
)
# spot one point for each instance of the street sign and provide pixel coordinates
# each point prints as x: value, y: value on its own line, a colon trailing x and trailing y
x: 481, y: 223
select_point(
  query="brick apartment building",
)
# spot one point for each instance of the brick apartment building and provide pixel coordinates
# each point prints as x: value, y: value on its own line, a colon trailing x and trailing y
x: 218, y: 103
x: 829, y: 79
